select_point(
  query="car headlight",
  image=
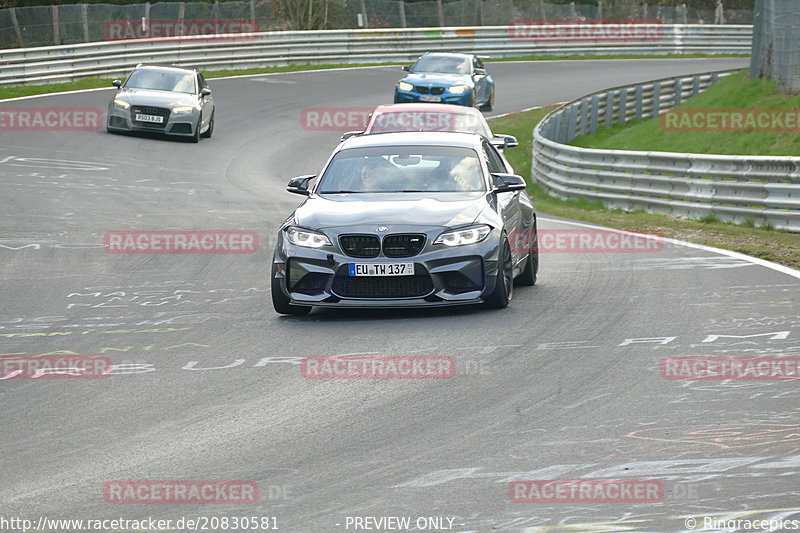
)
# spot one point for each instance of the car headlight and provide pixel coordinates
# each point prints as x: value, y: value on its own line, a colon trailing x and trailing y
x: 403, y: 86
x: 458, y: 89
x: 306, y: 238
x: 464, y: 236
x: 122, y: 104
x: 182, y: 109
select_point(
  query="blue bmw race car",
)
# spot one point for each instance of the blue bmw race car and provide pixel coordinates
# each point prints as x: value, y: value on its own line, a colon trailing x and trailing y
x: 448, y: 78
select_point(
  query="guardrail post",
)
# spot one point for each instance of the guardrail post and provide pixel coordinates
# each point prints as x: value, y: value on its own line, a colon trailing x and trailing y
x: 696, y: 85
x: 56, y: 29
x: 678, y: 91
x: 656, y: 100
x: 584, y: 118
x: 609, y: 109
x: 639, y: 95
x: 572, y: 124
x: 623, y: 105
x: 13, y: 13
x: 401, y: 6
x: 85, y: 17
x: 593, y: 121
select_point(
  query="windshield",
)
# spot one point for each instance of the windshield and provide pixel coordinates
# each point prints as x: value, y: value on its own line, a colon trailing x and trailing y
x: 455, y: 120
x: 161, y: 80
x: 442, y: 64
x: 403, y: 169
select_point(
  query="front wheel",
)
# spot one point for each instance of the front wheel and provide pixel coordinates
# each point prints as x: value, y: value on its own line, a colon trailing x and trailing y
x: 210, y: 129
x: 280, y: 301
x: 490, y: 102
x: 504, y: 283
x: 528, y: 276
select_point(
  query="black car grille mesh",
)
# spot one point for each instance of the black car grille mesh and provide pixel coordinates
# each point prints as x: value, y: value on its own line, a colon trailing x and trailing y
x: 148, y: 110
x: 368, y: 246
x: 382, y: 286
x: 430, y: 90
x: 405, y: 245
x: 360, y: 245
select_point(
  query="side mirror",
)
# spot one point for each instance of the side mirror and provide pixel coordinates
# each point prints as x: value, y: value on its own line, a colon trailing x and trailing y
x: 406, y: 67
x: 349, y: 134
x: 205, y: 91
x: 116, y: 83
x: 508, y: 182
x: 502, y: 141
x: 299, y: 185
x: 480, y: 72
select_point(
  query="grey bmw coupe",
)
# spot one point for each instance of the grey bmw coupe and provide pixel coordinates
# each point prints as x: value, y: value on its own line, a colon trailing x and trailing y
x: 406, y: 220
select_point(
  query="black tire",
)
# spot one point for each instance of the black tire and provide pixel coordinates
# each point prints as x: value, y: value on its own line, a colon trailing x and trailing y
x: 281, y: 302
x: 504, y: 283
x: 490, y: 103
x: 210, y: 129
x: 528, y: 276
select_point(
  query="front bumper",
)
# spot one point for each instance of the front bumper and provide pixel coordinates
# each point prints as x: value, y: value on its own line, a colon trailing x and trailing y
x: 182, y: 124
x: 442, y: 276
x: 413, y: 96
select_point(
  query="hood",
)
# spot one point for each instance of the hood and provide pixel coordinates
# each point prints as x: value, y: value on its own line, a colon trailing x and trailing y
x: 434, y: 79
x: 415, y: 209
x: 155, y: 98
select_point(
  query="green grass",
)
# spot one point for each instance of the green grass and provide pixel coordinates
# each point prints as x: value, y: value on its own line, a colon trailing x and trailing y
x: 92, y: 83
x: 764, y: 242
x: 734, y: 92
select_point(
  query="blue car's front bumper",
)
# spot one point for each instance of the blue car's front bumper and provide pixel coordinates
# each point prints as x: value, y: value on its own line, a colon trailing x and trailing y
x: 413, y: 96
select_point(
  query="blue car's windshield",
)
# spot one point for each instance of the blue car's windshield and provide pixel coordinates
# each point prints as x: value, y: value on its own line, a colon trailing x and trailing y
x: 442, y: 65
x: 403, y: 169
x: 161, y: 80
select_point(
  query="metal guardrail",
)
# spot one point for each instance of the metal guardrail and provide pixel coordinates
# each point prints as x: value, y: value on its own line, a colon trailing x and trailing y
x: 53, y: 64
x: 732, y: 188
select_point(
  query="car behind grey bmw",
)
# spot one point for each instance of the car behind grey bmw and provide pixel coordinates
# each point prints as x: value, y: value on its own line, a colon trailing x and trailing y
x: 406, y: 220
x: 163, y: 99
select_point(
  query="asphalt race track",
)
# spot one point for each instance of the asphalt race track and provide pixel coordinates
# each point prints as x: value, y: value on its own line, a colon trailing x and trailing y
x: 206, y: 384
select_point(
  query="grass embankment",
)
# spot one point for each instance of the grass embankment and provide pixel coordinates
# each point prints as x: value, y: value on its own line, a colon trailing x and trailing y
x: 734, y: 92
x: 778, y: 246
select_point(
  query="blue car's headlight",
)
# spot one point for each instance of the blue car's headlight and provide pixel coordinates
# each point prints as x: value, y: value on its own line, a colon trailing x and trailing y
x: 458, y: 89
x: 460, y: 237
x: 307, y: 238
x: 403, y: 86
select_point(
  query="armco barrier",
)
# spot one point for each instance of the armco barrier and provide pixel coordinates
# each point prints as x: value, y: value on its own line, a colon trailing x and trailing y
x: 52, y: 64
x: 732, y: 188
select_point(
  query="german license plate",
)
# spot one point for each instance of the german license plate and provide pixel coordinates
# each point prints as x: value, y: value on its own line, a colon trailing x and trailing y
x: 149, y: 118
x: 381, y: 269
x: 429, y: 98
